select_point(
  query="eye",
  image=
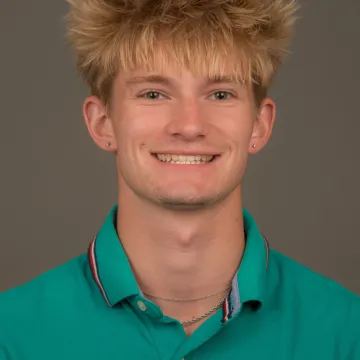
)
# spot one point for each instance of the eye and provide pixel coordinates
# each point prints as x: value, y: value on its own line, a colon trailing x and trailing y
x: 222, y: 95
x: 151, y: 95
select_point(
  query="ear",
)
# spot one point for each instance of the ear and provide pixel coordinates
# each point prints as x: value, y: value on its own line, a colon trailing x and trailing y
x: 99, y: 124
x: 263, y: 126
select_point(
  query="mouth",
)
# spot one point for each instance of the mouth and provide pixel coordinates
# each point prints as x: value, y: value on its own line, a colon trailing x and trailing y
x: 178, y: 159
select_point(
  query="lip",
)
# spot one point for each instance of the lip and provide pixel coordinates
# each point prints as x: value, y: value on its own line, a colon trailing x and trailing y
x: 186, y: 153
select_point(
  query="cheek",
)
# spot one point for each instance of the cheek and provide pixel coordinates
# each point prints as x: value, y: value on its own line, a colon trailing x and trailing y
x: 138, y: 128
x: 142, y: 123
x: 235, y: 125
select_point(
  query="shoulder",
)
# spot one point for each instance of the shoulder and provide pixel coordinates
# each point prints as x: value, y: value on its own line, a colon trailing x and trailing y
x: 35, y: 300
x: 47, y: 284
x: 297, y: 277
x: 318, y: 304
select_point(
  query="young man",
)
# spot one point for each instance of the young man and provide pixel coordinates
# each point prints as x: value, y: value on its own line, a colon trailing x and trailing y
x: 179, y: 269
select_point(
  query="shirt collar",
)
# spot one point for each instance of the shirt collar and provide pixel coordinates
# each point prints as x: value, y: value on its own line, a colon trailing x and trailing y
x: 251, y: 275
x: 113, y: 275
x: 109, y: 264
x: 249, y: 284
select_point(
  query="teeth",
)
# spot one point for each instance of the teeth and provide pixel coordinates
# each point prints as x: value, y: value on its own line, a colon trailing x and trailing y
x: 185, y: 159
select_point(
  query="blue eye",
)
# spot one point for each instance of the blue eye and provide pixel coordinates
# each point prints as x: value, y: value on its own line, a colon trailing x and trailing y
x: 222, y: 95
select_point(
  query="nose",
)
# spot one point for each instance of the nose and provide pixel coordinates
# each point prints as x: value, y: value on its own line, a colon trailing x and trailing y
x: 187, y: 121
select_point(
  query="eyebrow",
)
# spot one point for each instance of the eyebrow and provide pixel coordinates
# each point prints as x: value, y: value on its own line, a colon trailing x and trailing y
x: 159, y: 79
x: 219, y: 79
x: 153, y: 79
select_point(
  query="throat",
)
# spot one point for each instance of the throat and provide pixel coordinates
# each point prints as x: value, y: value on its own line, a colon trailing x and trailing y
x: 187, y: 263
x: 188, y: 276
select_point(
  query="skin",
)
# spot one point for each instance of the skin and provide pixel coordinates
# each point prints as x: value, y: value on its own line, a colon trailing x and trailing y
x: 181, y: 225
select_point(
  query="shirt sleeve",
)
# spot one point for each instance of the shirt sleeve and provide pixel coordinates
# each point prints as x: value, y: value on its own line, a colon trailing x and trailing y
x: 353, y: 325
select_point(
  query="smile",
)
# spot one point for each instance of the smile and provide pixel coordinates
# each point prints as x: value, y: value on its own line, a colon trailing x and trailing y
x: 185, y: 159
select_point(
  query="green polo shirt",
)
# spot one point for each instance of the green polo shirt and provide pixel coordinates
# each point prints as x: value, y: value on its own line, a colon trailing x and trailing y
x: 92, y: 308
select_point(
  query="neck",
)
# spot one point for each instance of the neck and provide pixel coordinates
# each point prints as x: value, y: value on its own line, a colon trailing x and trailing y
x: 182, y: 254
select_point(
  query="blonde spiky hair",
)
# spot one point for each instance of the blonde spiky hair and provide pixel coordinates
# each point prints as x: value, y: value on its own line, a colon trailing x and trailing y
x: 113, y: 35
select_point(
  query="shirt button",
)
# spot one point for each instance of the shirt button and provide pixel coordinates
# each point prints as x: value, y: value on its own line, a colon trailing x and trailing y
x: 141, y: 306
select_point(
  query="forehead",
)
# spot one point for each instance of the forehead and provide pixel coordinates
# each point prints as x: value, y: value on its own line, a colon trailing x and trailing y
x: 216, y: 67
x: 176, y: 79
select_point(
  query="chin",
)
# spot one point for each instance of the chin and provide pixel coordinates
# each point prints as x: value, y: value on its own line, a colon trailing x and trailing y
x: 184, y: 206
x: 188, y: 202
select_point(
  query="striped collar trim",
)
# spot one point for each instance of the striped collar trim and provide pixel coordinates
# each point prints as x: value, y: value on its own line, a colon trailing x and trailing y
x: 95, y: 271
x: 226, y: 311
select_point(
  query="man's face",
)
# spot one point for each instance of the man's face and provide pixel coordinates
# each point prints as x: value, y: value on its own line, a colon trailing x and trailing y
x: 182, y: 141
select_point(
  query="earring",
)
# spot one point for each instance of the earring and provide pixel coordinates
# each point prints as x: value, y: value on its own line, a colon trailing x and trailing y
x: 108, y: 144
x: 254, y: 146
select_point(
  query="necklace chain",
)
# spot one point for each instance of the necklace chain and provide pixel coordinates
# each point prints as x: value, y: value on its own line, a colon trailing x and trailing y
x: 190, y: 299
x: 208, y: 313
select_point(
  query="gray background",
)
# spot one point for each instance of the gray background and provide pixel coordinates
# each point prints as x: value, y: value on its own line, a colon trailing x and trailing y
x: 57, y: 187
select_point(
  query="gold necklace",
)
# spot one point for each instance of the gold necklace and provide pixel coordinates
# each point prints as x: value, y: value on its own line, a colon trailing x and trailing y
x: 187, y: 300
x: 208, y: 313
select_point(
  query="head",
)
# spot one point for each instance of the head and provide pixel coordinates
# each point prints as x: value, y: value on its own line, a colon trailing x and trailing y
x: 179, y: 89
